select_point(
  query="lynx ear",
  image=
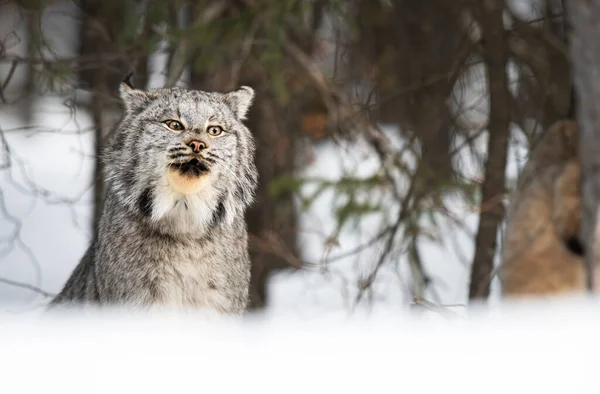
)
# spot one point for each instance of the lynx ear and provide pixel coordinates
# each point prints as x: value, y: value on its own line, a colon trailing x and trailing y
x: 133, y: 99
x: 240, y: 101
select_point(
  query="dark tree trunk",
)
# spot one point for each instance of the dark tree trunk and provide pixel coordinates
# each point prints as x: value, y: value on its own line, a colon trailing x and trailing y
x: 495, y: 51
x: 34, y: 38
x: 98, y: 40
x: 272, y: 220
x: 97, y: 108
x: 585, y: 51
x: 415, y: 93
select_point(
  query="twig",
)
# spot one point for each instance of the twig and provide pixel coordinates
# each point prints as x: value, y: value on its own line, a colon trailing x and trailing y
x: 430, y: 306
x: 403, y: 214
x: 26, y: 286
x: 13, y: 67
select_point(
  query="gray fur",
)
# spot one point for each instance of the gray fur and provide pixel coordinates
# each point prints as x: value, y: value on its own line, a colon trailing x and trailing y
x: 158, y: 246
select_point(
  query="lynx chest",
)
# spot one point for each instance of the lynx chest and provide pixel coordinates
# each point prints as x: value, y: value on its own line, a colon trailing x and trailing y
x: 194, y: 278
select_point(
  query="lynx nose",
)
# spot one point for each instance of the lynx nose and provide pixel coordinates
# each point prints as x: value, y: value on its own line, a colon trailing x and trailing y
x: 197, y: 146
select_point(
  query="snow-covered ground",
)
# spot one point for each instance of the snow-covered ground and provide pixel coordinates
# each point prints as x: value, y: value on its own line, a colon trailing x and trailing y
x: 509, y: 350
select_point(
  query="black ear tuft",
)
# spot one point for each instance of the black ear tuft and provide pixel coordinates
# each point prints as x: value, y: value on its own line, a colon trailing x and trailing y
x: 127, y: 80
x: 134, y: 99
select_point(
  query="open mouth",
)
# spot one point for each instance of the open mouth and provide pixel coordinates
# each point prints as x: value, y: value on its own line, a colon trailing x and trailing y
x: 193, y: 167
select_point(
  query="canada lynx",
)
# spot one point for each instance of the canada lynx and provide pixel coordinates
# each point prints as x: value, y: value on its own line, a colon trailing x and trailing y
x: 542, y: 253
x: 179, y: 175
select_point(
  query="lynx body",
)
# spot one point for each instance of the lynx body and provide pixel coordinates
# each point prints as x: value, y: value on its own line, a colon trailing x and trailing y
x: 542, y: 254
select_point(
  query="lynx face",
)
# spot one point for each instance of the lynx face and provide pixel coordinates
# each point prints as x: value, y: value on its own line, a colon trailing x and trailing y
x: 181, y: 159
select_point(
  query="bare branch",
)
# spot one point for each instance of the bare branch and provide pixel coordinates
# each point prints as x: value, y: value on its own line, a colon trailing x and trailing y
x: 27, y: 286
x: 11, y: 71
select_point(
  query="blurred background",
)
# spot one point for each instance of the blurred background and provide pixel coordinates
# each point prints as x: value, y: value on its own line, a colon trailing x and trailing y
x: 389, y: 134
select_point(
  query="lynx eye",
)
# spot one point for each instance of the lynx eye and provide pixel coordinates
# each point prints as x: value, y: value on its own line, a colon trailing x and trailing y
x: 174, y: 125
x: 214, y: 130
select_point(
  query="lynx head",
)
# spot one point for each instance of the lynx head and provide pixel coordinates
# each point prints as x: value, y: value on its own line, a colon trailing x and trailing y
x: 182, y: 160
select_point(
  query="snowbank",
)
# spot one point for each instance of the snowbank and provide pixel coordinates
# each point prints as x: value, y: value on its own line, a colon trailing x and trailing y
x: 531, y: 348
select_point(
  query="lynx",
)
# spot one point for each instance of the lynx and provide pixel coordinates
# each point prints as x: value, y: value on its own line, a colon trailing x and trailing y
x: 179, y: 175
x: 543, y: 255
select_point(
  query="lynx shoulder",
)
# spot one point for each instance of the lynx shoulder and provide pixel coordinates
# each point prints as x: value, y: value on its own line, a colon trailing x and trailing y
x: 542, y: 252
x: 179, y: 175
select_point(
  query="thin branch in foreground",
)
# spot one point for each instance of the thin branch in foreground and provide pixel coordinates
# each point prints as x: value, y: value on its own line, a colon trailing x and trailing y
x: 27, y: 286
x: 423, y: 304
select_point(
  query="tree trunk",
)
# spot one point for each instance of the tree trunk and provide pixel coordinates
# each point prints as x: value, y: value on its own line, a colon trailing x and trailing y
x: 414, y: 94
x: 495, y: 51
x: 102, y: 80
x: 585, y: 51
x: 34, y: 38
x: 97, y: 108
x: 272, y: 220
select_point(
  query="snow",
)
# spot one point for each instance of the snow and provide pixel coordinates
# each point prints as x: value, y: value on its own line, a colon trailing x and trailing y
x: 522, y: 348
x: 49, y: 169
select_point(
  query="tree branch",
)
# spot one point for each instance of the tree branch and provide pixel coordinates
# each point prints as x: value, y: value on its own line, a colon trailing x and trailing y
x: 27, y: 286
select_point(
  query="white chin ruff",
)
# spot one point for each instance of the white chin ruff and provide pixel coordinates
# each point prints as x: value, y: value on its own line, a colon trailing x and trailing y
x: 188, y: 207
